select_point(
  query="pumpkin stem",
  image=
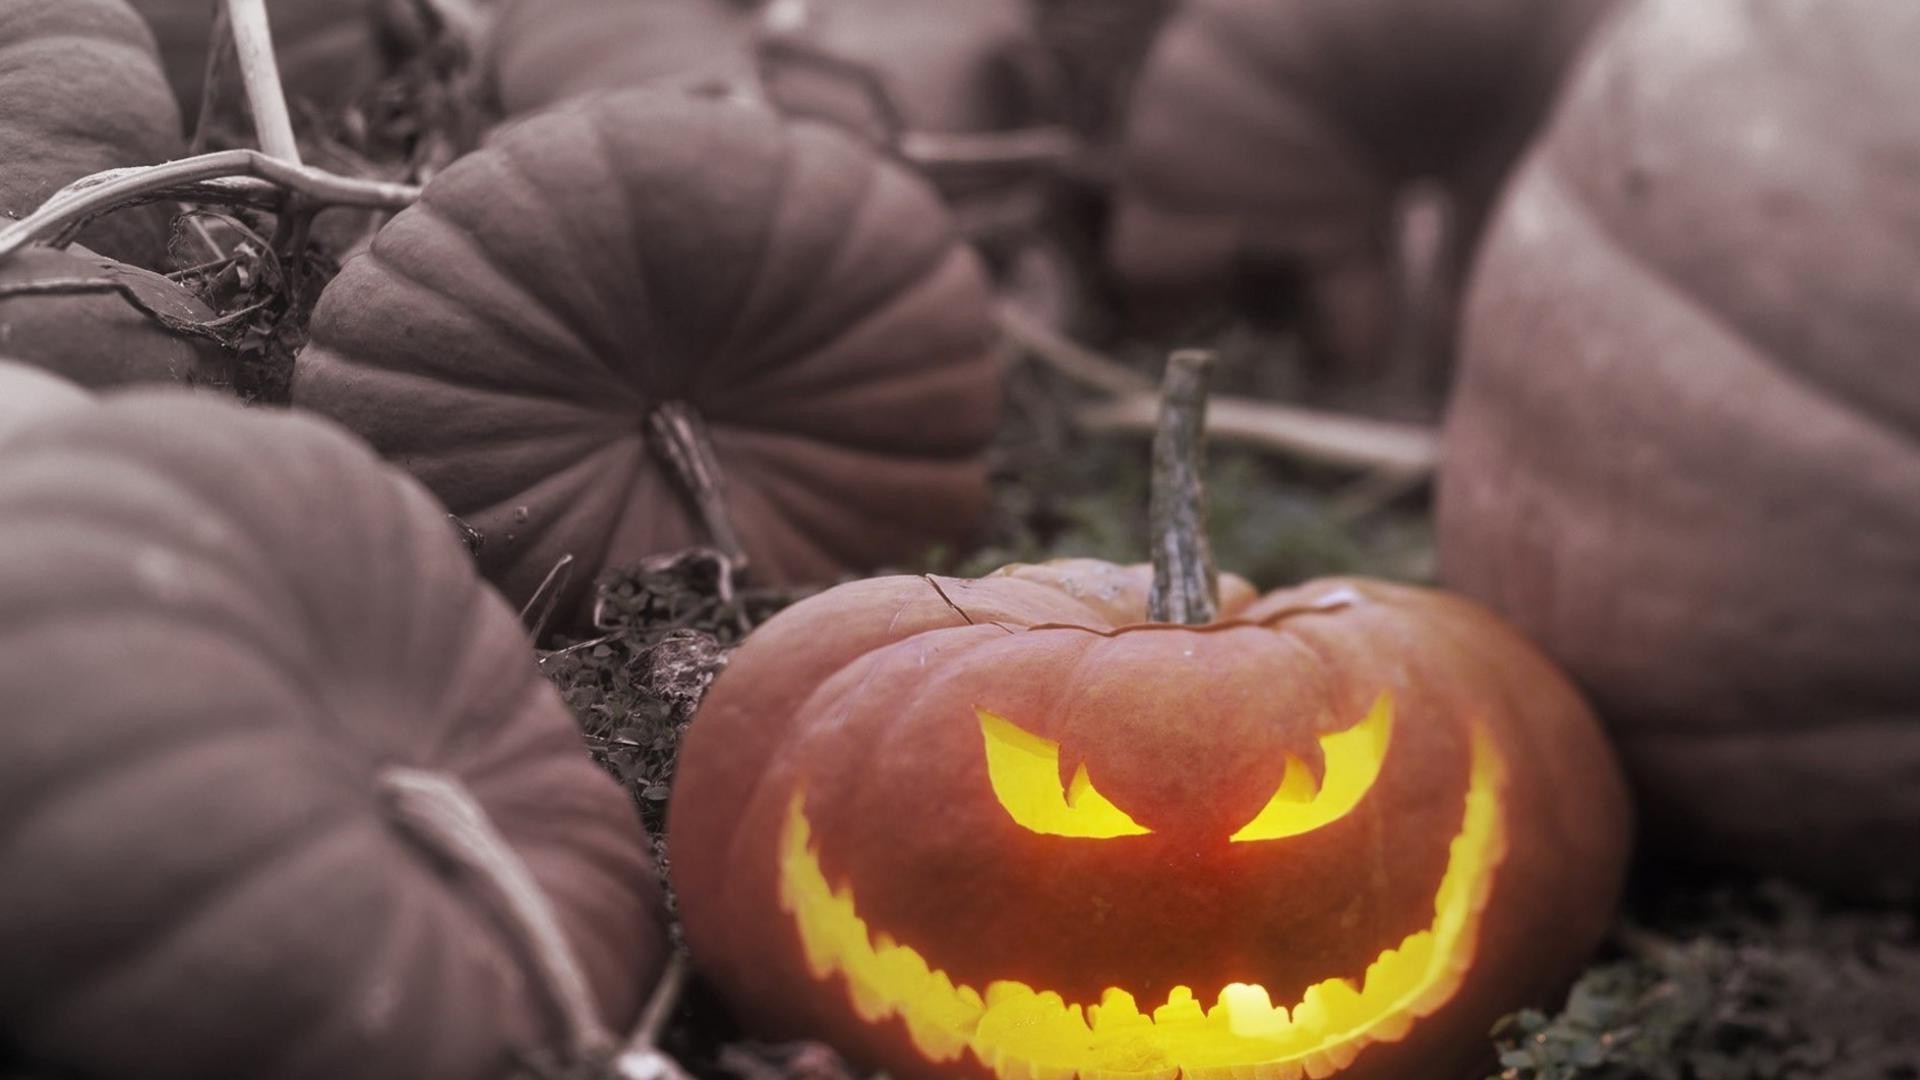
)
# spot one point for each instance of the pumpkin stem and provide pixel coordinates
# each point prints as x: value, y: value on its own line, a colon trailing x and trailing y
x: 680, y: 438
x: 260, y: 74
x: 642, y: 1058
x: 440, y: 813
x: 1186, y: 586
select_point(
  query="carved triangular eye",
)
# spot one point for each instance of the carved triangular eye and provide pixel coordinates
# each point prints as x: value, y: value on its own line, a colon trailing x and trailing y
x: 1353, y: 759
x: 1025, y: 771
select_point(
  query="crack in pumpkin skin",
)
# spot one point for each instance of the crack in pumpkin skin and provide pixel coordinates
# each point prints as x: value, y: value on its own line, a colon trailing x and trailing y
x: 1019, y: 1032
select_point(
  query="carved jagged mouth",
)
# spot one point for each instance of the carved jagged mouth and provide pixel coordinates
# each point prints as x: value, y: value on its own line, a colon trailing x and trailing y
x: 1020, y: 1032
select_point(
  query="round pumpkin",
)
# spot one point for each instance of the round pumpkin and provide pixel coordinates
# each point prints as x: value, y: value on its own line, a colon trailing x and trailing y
x: 1006, y: 827
x: 1287, y: 131
x: 509, y: 339
x: 943, y: 67
x: 93, y: 333
x: 224, y: 637
x: 27, y: 393
x: 1684, y: 451
x: 541, y: 52
x: 83, y: 93
x: 328, y: 53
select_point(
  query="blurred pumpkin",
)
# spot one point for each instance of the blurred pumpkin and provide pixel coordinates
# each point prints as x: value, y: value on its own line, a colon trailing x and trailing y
x: 231, y: 641
x: 541, y: 52
x: 511, y: 338
x: 1288, y: 131
x: 1007, y: 827
x: 328, y: 53
x: 27, y: 393
x: 1684, y: 452
x: 82, y: 92
x: 80, y: 315
x: 934, y: 66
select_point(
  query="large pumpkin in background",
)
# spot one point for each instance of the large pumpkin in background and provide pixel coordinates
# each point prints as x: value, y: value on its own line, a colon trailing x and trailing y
x: 508, y: 339
x: 1007, y: 827
x: 541, y: 52
x: 328, y: 52
x: 1287, y: 131
x: 93, y: 333
x: 81, y: 91
x: 1684, y: 452
x: 223, y: 635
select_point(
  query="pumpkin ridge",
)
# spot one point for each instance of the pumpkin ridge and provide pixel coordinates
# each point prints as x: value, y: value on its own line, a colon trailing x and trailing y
x: 1866, y: 412
x: 923, y: 278
x: 1577, y: 198
x: 450, y: 294
x: 813, y: 516
x: 617, y: 354
x: 727, y: 350
x: 264, y: 584
x: 166, y: 923
x: 830, y: 263
x: 537, y: 525
x: 104, y: 767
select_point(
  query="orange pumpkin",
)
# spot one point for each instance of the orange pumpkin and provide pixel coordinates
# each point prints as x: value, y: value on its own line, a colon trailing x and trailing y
x: 1006, y: 827
x: 234, y: 646
x: 95, y: 335
x: 1287, y: 131
x: 1684, y: 449
x: 80, y: 92
x: 509, y: 338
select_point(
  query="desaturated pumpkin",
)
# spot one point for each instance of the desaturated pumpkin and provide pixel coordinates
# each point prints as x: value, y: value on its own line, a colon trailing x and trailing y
x: 1684, y: 452
x: 223, y: 635
x: 541, y: 52
x: 328, y: 52
x: 942, y: 67
x: 93, y: 333
x: 27, y: 393
x: 1286, y: 131
x: 1006, y: 827
x: 81, y: 91
x: 509, y: 338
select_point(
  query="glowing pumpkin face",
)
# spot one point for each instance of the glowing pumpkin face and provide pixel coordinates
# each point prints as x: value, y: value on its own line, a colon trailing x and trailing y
x: 1004, y: 828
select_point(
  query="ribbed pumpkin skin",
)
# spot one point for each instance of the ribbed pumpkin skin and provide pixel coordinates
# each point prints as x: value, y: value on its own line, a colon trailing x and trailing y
x: 82, y: 92
x: 863, y: 697
x: 328, y: 50
x: 99, y: 339
x: 507, y: 338
x: 1288, y: 128
x: 216, y: 627
x: 1683, y: 449
x: 541, y: 52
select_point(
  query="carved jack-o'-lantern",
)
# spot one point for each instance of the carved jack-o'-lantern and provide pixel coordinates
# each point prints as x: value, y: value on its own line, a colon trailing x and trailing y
x: 1010, y: 827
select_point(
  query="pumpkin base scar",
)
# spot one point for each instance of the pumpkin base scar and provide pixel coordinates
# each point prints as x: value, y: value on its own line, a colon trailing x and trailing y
x: 1022, y: 1033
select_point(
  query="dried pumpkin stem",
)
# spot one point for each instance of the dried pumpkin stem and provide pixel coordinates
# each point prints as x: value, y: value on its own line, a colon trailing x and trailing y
x: 240, y: 177
x: 260, y: 74
x: 680, y: 437
x: 1186, y: 587
x: 642, y: 1058
x: 440, y: 813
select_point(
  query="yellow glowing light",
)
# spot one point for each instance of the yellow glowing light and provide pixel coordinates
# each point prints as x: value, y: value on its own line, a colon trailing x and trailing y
x: 1352, y: 763
x: 1025, y: 771
x: 1021, y: 1033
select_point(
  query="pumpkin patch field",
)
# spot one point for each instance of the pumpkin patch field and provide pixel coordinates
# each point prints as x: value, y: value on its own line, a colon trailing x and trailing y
x: 1005, y: 539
